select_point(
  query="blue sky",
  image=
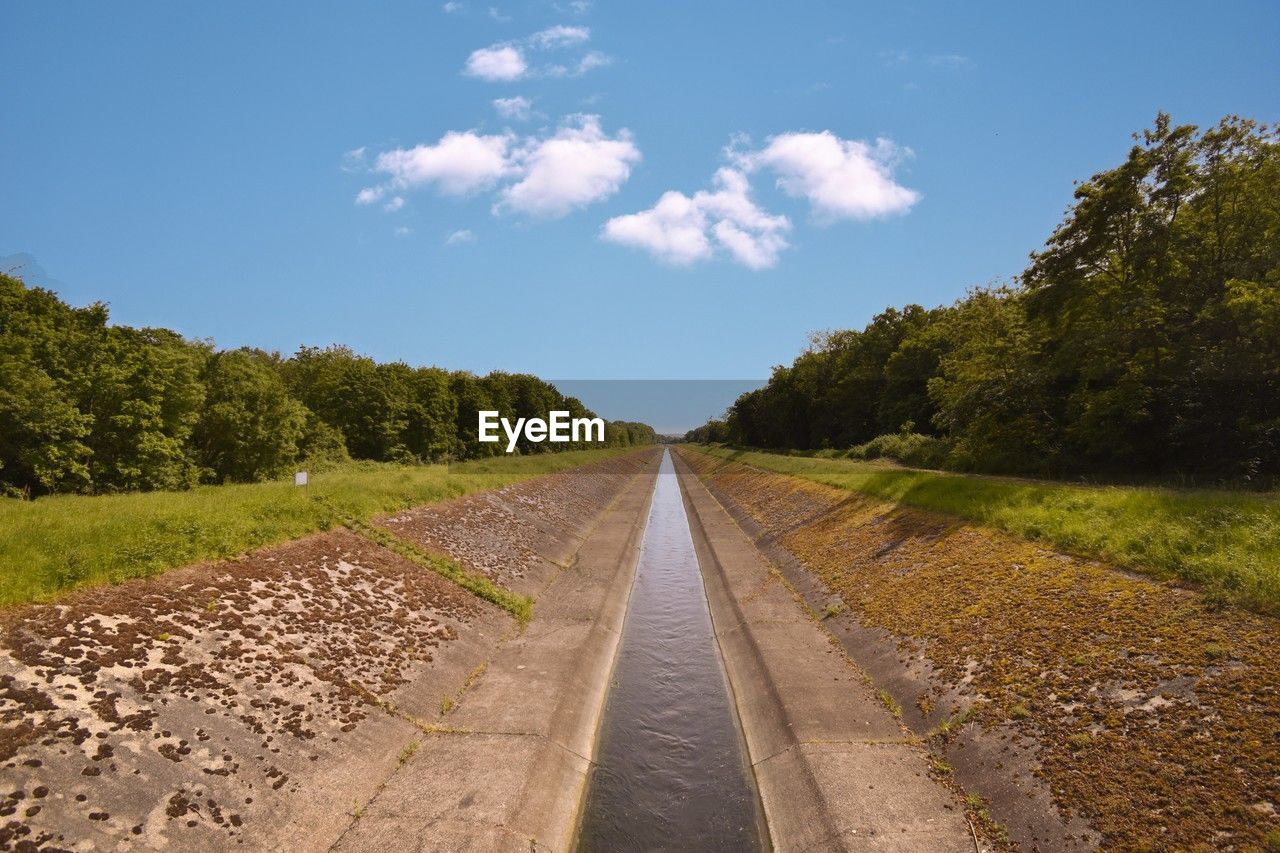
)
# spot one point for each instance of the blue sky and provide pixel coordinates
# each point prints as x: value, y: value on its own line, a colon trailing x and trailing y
x: 199, y: 165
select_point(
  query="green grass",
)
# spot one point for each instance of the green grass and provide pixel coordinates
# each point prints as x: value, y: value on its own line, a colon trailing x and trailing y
x: 55, y: 544
x: 1226, y: 541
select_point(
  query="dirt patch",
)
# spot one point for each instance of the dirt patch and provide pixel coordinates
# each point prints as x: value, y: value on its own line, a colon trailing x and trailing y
x: 518, y: 535
x: 1131, y: 707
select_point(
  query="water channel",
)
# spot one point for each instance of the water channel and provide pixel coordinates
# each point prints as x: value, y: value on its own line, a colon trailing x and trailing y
x: 670, y: 768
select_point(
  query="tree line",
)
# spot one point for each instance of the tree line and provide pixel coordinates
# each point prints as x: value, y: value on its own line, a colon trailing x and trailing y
x: 1143, y: 339
x: 86, y: 406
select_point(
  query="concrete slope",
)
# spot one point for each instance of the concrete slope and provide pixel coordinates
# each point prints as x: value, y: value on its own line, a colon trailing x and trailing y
x: 508, y: 770
x: 835, y: 769
x: 260, y: 703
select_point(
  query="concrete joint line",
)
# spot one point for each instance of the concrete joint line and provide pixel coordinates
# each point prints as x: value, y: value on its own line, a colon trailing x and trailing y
x: 872, y: 742
x: 498, y: 733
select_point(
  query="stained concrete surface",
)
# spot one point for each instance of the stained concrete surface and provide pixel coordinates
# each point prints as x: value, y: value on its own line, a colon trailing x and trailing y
x: 264, y: 702
x: 835, y: 769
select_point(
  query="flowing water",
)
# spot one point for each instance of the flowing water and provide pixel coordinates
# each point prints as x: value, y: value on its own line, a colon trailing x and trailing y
x: 670, y: 772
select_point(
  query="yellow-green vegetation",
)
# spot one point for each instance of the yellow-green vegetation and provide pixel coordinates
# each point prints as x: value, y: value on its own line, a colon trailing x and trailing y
x: 448, y: 703
x: 1151, y: 709
x: 58, y: 543
x: 890, y: 703
x: 1227, y: 541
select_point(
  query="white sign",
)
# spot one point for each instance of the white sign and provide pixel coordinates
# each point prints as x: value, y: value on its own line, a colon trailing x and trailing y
x: 300, y: 478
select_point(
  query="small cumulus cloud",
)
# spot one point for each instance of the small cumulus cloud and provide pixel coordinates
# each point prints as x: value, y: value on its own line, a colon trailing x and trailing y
x: 841, y: 178
x: 680, y: 229
x: 559, y: 36
x: 576, y: 166
x: 498, y: 16
x: 509, y: 61
x: 546, y: 175
x: 594, y: 59
x: 459, y: 164
x: 497, y: 63
x: 402, y: 231
x: 518, y: 108
x: 451, y: 7
x: 394, y: 204
x: 462, y: 235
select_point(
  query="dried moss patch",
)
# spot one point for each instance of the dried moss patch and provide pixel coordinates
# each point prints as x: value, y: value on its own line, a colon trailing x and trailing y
x: 1155, y: 714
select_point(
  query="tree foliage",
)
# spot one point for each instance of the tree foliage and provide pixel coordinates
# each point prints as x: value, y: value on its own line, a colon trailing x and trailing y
x: 1143, y: 338
x: 88, y: 406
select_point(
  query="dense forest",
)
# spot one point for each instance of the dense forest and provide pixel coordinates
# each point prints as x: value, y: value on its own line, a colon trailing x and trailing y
x: 1142, y: 340
x: 90, y: 407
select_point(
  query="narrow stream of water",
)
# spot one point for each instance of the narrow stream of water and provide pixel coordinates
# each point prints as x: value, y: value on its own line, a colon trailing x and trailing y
x: 671, y: 772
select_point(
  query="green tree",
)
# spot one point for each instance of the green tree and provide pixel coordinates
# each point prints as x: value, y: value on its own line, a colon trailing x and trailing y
x: 350, y: 393
x: 250, y: 427
x: 990, y: 396
x: 44, y: 348
x: 144, y: 396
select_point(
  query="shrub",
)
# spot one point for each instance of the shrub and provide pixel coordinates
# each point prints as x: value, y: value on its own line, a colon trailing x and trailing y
x: 909, y: 448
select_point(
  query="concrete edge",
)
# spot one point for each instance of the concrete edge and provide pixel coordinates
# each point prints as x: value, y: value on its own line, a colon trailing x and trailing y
x: 547, y: 811
x: 749, y: 681
x: 614, y: 611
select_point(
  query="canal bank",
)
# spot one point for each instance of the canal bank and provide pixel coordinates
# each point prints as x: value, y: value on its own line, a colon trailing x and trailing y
x: 834, y: 767
x: 505, y: 769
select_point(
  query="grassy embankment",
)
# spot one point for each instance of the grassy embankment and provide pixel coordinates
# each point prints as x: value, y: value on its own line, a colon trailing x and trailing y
x: 59, y: 543
x: 1228, y: 542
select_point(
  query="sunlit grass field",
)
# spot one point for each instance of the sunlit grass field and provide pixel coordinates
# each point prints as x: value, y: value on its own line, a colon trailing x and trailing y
x: 1226, y: 541
x: 54, y: 544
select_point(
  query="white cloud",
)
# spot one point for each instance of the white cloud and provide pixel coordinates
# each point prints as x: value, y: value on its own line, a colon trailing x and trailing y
x: 499, y: 62
x: 451, y: 7
x: 402, y: 231
x: 594, y: 59
x: 674, y: 230
x: 841, y: 178
x: 462, y: 235
x: 498, y: 16
x: 576, y: 166
x: 507, y: 61
x: 545, y: 175
x: 518, y: 108
x: 460, y: 163
x: 354, y: 160
x: 681, y: 230
x: 949, y: 60
x: 559, y: 36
